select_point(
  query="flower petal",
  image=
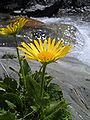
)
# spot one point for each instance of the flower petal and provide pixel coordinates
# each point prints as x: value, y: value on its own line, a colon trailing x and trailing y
x: 37, y: 45
x: 45, y: 45
x: 41, y: 45
x: 33, y: 48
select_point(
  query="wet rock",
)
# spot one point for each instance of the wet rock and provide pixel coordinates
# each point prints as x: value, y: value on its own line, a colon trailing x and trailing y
x: 35, y: 29
x: 66, y: 32
x: 7, y: 40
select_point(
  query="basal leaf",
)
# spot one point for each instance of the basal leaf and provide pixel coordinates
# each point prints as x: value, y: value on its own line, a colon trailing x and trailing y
x: 25, y: 67
x: 32, y: 86
x: 54, y: 108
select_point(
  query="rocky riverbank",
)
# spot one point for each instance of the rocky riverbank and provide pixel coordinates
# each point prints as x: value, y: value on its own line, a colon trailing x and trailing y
x: 72, y: 75
x: 40, y: 8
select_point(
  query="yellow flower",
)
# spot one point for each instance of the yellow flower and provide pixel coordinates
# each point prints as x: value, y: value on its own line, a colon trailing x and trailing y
x: 46, y: 52
x: 14, y: 28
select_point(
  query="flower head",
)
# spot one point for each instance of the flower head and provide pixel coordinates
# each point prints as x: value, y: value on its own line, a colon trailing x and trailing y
x: 14, y: 28
x: 46, y: 52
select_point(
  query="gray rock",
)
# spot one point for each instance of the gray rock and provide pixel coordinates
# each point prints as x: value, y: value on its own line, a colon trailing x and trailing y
x: 66, y: 32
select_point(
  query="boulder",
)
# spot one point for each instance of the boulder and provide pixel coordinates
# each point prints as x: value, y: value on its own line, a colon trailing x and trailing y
x: 69, y: 33
x: 35, y: 29
x: 40, y: 9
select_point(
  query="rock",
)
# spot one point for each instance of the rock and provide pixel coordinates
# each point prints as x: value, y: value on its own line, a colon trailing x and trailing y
x: 8, y: 6
x: 68, y: 33
x: 39, y: 10
x: 7, y: 40
x: 35, y: 29
x: 34, y: 23
x: 30, y: 8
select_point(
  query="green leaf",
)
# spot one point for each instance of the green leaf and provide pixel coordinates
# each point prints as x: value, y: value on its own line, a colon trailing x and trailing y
x: 25, y: 67
x: 43, y: 102
x: 14, y: 99
x: 2, y: 111
x: 3, y: 85
x: 32, y: 87
x: 54, y: 92
x: 54, y: 108
x: 11, y: 105
x: 10, y: 83
x: 7, y: 116
x: 48, y: 79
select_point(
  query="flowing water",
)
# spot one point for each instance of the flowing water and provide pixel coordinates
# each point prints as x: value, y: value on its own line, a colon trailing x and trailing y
x: 84, y: 28
x: 82, y: 24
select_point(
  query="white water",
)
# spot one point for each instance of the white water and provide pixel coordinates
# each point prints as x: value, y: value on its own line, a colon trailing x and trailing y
x: 83, y: 27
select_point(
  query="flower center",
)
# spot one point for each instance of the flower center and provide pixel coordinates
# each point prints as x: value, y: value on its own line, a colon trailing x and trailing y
x: 45, y: 56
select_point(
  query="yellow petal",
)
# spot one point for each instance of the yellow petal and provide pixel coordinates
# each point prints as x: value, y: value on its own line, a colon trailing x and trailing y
x: 34, y: 49
x: 65, y: 50
x: 28, y: 56
x: 41, y: 45
x: 28, y: 49
x: 37, y: 45
x: 49, y: 43
x: 45, y: 45
x: 24, y: 50
x: 58, y: 46
x: 26, y: 46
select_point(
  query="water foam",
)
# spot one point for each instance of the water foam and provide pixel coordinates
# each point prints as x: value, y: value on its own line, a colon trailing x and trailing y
x: 83, y: 27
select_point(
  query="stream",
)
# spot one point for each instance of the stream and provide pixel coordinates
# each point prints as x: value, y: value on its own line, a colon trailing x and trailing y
x: 83, y: 26
x: 81, y: 23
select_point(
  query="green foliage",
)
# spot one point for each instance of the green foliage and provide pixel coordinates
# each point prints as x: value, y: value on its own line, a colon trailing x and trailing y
x: 21, y: 99
x: 26, y: 68
x: 5, y: 115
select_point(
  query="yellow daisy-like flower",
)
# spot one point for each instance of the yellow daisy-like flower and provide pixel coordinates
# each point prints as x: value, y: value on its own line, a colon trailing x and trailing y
x: 46, y: 52
x: 14, y: 28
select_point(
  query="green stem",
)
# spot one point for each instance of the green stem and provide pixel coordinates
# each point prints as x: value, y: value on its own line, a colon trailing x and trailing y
x: 19, y: 60
x: 42, y: 80
x: 23, y: 75
x: 17, y: 50
x: 28, y: 114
